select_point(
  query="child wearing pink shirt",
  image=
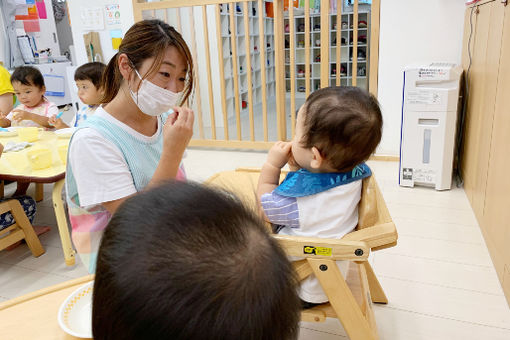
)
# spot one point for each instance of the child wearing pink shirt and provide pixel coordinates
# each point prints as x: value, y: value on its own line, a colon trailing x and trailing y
x: 35, y: 109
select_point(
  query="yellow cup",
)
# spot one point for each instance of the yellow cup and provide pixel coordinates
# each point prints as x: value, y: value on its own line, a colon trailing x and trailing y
x: 28, y: 134
x: 40, y: 158
x: 62, y: 152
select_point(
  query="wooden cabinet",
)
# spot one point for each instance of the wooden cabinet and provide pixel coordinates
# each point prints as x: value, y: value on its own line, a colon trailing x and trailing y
x: 486, y: 159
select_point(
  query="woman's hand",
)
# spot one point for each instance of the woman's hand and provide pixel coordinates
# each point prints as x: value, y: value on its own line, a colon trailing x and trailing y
x: 178, y: 130
x: 279, y: 154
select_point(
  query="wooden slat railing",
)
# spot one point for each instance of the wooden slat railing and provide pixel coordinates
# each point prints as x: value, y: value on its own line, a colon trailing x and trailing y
x: 256, y: 108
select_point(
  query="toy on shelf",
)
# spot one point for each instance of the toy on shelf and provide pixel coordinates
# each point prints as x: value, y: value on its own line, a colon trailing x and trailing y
x: 343, y: 71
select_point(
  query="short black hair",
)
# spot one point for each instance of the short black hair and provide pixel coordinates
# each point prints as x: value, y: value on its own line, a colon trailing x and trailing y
x: 344, y: 123
x: 28, y: 75
x: 183, y: 261
x: 90, y: 71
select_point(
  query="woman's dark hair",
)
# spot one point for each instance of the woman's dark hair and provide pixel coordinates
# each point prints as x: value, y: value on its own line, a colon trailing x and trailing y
x: 182, y: 261
x: 147, y: 39
x: 28, y: 75
x: 344, y: 123
x: 90, y: 71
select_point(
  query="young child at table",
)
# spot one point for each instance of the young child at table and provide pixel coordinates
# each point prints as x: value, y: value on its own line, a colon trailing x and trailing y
x: 337, y: 129
x: 88, y: 80
x: 34, y: 109
x: 183, y: 261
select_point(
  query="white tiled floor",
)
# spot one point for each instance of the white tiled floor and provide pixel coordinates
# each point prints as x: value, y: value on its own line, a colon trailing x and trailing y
x: 439, y: 279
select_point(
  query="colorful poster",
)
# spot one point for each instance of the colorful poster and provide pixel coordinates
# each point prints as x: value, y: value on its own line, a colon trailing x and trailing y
x: 113, y: 14
x: 31, y: 14
x: 41, y: 10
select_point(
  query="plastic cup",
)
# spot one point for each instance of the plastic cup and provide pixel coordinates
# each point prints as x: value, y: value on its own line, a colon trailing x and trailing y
x: 28, y: 134
x: 40, y: 158
x: 62, y: 152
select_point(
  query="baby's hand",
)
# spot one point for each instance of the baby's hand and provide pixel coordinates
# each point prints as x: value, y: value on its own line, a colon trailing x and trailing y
x: 53, y: 120
x: 57, y: 122
x: 279, y: 154
x: 20, y: 115
x: 293, y: 166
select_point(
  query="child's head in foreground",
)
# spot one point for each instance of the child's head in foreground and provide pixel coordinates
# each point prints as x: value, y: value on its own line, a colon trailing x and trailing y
x: 337, y: 128
x: 88, y: 80
x: 182, y: 261
x: 28, y: 84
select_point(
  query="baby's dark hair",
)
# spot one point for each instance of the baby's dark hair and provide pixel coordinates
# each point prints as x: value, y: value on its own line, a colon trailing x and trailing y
x: 344, y: 123
x: 90, y: 71
x: 28, y: 75
x: 183, y: 261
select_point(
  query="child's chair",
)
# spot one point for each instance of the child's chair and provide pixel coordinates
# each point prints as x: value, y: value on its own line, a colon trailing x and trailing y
x: 21, y: 229
x: 350, y: 297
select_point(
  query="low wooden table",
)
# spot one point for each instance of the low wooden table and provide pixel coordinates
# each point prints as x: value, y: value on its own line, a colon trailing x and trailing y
x: 35, y: 315
x: 14, y: 166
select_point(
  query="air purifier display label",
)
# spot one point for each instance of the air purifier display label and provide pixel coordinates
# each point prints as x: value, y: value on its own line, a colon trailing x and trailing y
x: 424, y: 175
x: 423, y: 97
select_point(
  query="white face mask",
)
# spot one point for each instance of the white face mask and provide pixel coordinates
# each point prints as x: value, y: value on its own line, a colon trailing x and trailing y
x: 152, y: 99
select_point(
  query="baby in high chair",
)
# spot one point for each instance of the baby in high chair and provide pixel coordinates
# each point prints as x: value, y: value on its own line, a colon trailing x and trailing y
x: 34, y: 109
x: 337, y: 129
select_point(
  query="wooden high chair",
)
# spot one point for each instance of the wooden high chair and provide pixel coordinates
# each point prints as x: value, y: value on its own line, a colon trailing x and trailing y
x: 350, y: 298
x: 21, y: 229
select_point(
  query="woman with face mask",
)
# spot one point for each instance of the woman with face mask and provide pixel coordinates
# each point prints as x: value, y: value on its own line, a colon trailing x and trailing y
x: 137, y: 137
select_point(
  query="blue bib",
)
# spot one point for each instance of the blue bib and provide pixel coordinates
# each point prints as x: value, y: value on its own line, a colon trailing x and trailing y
x: 305, y: 183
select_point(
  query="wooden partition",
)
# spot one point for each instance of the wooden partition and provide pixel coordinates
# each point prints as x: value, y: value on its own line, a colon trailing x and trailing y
x: 241, y: 55
x: 485, y: 159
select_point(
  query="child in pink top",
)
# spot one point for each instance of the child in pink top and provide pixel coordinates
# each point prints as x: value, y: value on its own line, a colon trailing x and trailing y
x: 34, y: 109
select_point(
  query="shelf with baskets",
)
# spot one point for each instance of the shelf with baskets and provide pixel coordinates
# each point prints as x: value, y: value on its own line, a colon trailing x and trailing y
x: 345, y: 44
x: 255, y: 55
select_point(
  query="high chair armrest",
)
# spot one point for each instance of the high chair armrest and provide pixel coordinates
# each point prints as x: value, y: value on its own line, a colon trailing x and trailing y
x: 5, y: 206
x: 314, y: 247
x: 375, y: 236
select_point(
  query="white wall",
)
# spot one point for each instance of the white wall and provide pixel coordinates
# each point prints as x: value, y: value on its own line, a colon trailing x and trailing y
x: 3, y: 40
x: 413, y: 31
x: 75, y: 6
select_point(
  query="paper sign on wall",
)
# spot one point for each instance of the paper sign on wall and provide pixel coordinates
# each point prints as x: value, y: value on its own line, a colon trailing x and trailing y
x: 92, y: 18
x: 54, y: 85
x: 113, y: 14
x: 31, y: 13
x: 41, y: 10
x: 116, y: 36
x: 31, y: 26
